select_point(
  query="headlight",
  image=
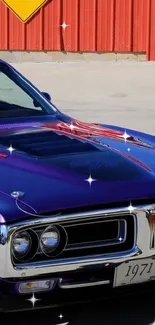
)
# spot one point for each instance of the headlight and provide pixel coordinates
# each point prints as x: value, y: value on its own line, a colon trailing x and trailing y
x: 49, y: 240
x: 21, y: 244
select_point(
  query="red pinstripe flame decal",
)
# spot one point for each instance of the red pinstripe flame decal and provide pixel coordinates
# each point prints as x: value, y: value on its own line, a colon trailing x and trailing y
x: 86, y: 131
x: 83, y: 129
x: 3, y: 155
x: 137, y: 161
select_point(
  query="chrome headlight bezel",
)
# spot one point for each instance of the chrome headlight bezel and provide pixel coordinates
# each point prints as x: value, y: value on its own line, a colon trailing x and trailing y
x: 32, y: 249
x: 44, y: 248
x: 38, y: 251
x: 16, y: 254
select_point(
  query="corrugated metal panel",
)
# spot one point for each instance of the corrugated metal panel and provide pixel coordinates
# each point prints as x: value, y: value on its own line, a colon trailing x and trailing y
x: 140, y: 23
x: 4, y: 18
x: 34, y: 33
x: 93, y: 25
x: 56, y: 13
x: 105, y: 25
x: 71, y: 16
x: 52, y: 29
x: 15, y: 33
x: 123, y: 25
x: 151, y: 31
x: 87, y: 24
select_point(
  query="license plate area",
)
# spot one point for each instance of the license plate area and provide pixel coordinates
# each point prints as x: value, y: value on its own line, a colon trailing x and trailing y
x: 135, y: 271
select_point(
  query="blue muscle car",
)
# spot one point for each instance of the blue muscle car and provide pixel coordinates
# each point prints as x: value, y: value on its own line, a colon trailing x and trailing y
x: 77, y: 203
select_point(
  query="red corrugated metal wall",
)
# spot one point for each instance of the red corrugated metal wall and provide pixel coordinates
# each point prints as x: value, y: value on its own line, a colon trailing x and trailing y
x: 93, y: 25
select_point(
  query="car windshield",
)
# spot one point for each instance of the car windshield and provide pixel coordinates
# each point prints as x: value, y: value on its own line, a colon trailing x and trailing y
x: 19, y: 98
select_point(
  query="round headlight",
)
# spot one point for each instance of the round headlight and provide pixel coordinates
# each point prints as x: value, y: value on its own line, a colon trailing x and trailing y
x: 49, y: 240
x: 21, y: 244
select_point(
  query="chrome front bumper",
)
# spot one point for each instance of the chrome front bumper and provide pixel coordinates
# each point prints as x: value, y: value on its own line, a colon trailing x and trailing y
x: 141, y: 248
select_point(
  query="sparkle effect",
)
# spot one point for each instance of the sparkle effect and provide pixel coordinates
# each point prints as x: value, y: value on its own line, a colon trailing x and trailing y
x: 64, y: 25
x: 125, y: 136
x: 61, y: 316
x: 33, y: 300
x: 11, y: 149
x: 90, y: 180
x: 72, y: 127
x: 131, y: 208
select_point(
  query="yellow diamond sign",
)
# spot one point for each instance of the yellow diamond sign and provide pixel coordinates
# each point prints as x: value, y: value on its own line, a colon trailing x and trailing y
x: 24, y: 9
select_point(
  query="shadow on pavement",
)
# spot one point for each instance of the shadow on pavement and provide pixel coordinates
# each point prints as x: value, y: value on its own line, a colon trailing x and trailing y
x: 123, y: 311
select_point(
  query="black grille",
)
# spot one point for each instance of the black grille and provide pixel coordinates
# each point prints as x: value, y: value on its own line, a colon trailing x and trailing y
x: 83, y: 233
x: 91, y: 236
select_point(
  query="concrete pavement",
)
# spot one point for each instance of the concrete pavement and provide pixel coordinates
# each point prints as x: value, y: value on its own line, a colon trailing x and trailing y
x: 112, y: 92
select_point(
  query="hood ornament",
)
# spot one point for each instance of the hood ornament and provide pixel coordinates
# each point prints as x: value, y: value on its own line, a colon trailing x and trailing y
x: 17, y: 194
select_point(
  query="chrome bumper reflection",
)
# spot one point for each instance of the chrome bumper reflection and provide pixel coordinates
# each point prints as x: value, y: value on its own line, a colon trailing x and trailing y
x: 140, y: 249
x: 82, y: 285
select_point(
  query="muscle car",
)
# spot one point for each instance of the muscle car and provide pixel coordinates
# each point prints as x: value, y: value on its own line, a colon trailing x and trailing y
x: 77, y: 203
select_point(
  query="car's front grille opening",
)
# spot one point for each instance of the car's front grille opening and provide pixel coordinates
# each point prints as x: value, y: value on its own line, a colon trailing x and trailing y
x: 91, y: 236
x: 107, y: 237
x: 91, y: 232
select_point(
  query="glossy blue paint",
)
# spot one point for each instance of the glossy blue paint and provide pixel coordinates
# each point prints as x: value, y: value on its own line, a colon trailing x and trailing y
x: 55, y: 154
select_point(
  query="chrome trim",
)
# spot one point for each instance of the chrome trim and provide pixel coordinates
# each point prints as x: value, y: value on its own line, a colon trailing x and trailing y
x: 30, y: 245
x: 3, y: 234
x: 82, y: 285
x: 29, y: 231
x: 17, y: 194
x: 141, y: 248
x: 152, y: 235
x: 56, y: 230
x: 65, y: 242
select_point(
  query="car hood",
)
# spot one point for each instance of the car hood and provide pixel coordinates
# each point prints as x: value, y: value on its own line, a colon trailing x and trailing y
x: 60, y: 165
